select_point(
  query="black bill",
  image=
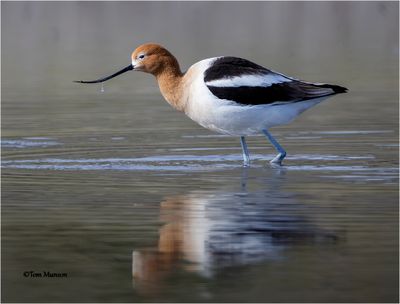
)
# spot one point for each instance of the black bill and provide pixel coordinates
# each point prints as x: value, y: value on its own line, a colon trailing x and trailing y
x: 126, y: 69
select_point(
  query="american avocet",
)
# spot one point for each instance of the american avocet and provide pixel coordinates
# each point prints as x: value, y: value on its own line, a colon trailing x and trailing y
x: 229, y: 95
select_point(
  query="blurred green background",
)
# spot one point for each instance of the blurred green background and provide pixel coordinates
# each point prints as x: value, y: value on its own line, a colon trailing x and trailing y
x: 45, y: 45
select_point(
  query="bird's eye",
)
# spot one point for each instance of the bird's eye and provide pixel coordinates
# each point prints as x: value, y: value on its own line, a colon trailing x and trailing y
x: 141, y: 56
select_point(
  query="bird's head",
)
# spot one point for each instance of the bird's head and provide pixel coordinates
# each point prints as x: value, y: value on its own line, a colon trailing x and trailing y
x: 150, y: 58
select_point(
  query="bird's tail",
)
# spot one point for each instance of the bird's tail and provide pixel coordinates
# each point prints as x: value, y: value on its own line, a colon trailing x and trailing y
x: 336, y: 88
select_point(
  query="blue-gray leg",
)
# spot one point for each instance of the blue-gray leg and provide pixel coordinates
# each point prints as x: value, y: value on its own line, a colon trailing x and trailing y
x: 282, y: 153
x: 246, y: 156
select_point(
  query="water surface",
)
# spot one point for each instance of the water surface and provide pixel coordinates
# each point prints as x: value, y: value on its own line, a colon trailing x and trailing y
x: 136, y: 203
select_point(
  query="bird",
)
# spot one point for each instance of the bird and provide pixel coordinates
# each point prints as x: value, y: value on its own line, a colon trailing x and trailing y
x: 229, y: 95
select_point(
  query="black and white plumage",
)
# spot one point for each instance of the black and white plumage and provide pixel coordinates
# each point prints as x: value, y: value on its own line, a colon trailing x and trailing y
x: 248, y: 83
x: 229, y: 95
x: 235, y: 96
x: 238, y: 97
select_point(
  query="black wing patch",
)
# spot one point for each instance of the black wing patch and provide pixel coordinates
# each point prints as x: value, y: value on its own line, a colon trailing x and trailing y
x: 227, y: 67
x: 284, y: 92
x: 287, y: 91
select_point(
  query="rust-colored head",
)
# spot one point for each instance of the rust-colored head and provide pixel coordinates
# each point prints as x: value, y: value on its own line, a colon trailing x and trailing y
x: 154, y: 59
x: 150, y: 58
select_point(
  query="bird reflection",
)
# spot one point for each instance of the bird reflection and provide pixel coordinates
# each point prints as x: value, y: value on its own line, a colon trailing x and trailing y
x: 206, y: 231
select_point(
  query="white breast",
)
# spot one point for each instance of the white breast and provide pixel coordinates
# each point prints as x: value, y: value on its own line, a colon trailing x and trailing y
x: 202, y: 106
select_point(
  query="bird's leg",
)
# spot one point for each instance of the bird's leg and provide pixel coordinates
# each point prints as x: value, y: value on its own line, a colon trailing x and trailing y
x: 282, y: 153
x: 246, y: 156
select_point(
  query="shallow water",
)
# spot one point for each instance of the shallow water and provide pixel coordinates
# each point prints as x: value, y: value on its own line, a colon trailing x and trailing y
x: 185, y: 222
x: 136, y: 203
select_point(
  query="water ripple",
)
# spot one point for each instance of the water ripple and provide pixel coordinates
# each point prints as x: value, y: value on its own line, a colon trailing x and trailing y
x: 29, y: 142
x: 355, y: 170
